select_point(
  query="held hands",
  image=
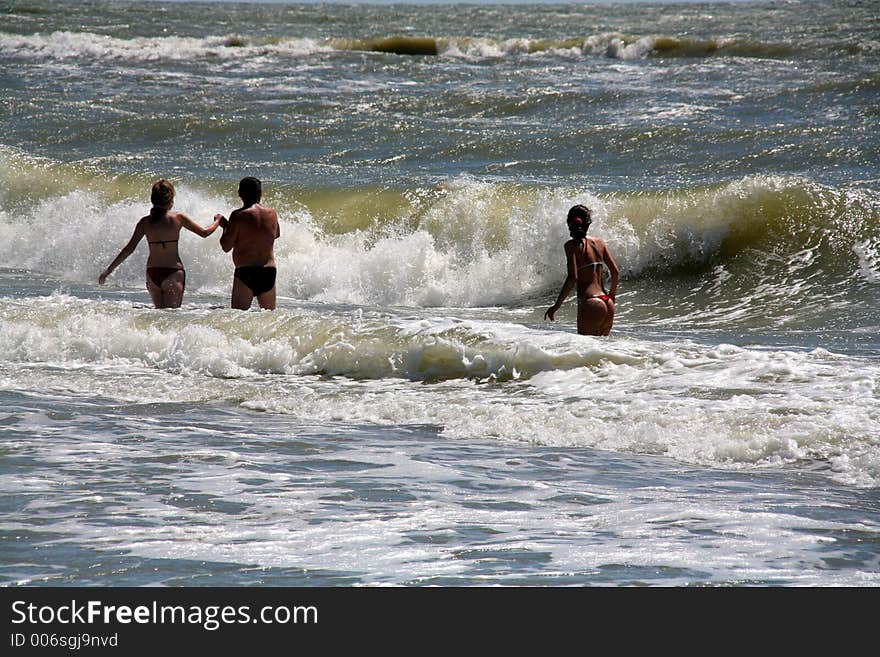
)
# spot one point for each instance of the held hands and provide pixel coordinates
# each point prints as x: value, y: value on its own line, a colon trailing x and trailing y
x: 221, y: 220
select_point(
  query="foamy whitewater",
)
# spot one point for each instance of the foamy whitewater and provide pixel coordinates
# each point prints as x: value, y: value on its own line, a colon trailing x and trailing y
x: 406, y: 416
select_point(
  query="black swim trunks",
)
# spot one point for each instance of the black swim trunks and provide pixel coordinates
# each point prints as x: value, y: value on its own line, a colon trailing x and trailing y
x: 258, y: 279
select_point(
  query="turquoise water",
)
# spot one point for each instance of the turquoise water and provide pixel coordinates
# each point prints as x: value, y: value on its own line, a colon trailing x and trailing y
x: 406, y: 416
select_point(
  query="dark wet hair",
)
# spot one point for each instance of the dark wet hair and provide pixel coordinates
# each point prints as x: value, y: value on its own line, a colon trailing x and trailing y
x: 162, y: 194
x: 578, y: 220
x: 250, y: 188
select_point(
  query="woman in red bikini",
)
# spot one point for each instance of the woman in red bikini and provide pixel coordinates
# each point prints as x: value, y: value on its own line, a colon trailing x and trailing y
x: 586, y: 257
x: 166, y: 277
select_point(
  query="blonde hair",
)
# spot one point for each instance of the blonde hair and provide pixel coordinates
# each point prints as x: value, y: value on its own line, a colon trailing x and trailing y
x: 162, y: 194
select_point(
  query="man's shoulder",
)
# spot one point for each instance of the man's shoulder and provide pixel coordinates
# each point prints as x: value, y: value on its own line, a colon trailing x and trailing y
x: 266, y: 218
x: 266, y: 211
x: 252, y: 211
x: 242, y: 216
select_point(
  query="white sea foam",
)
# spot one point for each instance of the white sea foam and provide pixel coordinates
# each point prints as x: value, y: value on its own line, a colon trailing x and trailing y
x: 381, y: 508
x: 735, y: 408
x: 868, y: 253
x: 298, y: 526
x: 720, y: 406
x: 611, y: 45
x: 63, y: 45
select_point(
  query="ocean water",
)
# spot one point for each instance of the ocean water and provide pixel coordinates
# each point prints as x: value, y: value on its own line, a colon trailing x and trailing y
x: 406, y: 416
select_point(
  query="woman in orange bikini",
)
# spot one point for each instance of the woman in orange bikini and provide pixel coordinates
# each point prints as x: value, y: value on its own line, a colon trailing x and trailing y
x: 166, y: 277
x: 586, y: 257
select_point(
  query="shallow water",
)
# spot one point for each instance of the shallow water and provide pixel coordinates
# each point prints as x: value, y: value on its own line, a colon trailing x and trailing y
x: 184, y: 494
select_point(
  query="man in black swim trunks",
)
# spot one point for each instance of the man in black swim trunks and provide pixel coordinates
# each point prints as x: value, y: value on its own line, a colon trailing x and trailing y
x: 250, y: 233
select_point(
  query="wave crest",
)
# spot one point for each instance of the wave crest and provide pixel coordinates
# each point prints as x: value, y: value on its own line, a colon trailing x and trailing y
x: 61, y: 45
x: 466, y: 243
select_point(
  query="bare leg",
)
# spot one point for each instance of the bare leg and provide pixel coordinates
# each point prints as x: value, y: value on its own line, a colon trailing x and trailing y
x: 172, y: 290
x: 242, y: 297
x: 155, y: 293
x: 267, y: 300
x: 591, y: 316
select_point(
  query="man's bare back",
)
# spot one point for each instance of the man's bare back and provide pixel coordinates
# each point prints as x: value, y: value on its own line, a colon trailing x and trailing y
x: 250, y: 233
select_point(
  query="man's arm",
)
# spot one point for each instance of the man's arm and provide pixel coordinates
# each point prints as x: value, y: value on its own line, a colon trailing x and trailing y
x: 230, y: 231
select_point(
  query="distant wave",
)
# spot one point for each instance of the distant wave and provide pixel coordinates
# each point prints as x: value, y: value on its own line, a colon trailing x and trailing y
x: 70, y: 45
x: 395, y: 45
x: 66, y: 44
